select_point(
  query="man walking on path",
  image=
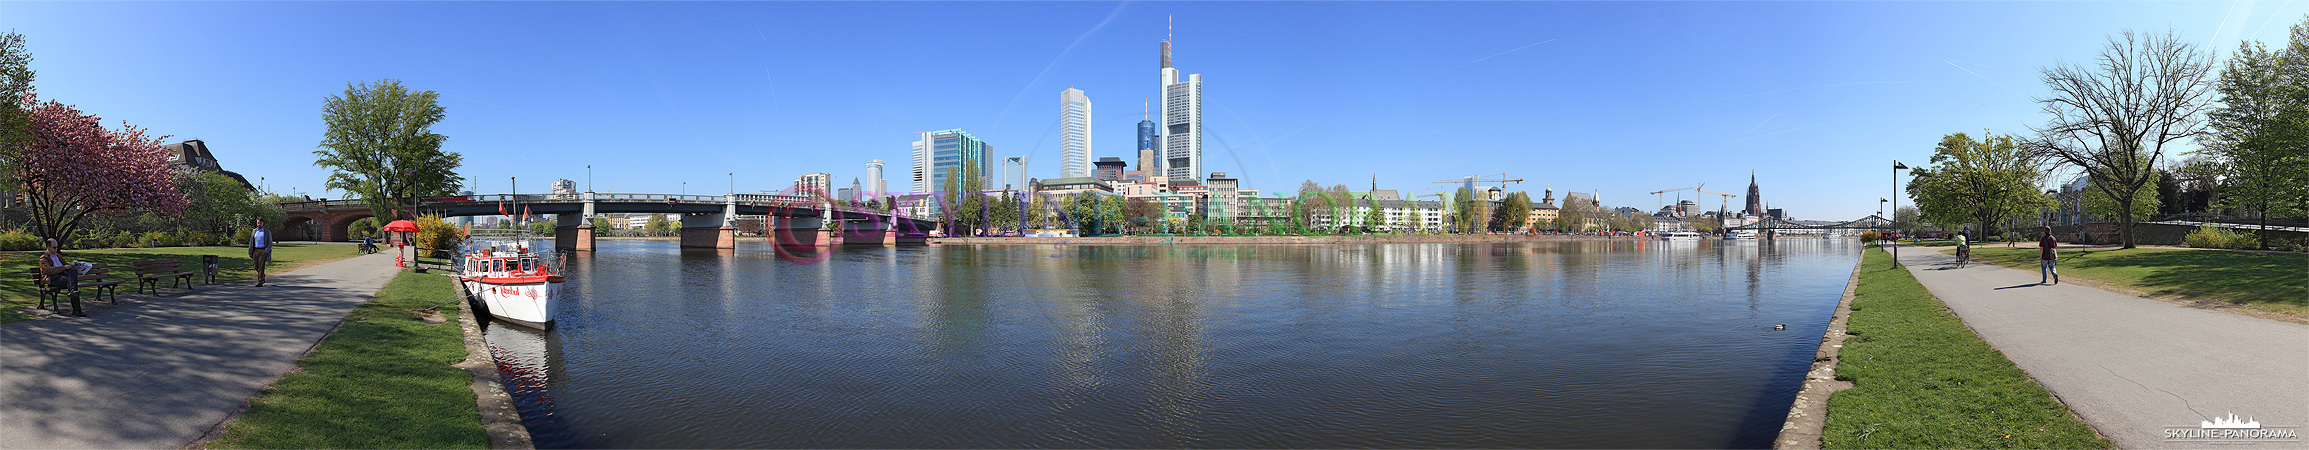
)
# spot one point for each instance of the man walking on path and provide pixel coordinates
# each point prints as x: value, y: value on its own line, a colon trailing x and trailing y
x: 261, y: 249
x: 2046, y: 257
x: 161, y: 373
x: 2144, y: 373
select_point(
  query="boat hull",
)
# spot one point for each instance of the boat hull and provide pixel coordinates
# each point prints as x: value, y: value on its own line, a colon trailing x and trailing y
x: 522, y: 303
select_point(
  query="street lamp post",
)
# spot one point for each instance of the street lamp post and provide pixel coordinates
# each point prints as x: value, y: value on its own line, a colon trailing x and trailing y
x: 1896, y: 168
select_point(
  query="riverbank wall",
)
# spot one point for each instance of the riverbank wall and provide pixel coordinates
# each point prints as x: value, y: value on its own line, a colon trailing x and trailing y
x: 1266, y: 240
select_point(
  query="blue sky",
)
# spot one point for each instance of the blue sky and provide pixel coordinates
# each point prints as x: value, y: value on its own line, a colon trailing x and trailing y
x: 1620, y: 98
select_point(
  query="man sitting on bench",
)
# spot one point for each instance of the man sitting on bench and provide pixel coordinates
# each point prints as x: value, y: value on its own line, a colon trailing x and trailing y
x: 60, y: 275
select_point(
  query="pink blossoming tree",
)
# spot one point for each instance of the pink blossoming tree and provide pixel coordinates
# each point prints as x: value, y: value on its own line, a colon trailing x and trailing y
x: 71, y: 166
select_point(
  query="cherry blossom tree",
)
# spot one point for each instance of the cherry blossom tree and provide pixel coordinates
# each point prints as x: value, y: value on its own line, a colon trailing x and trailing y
x: 71, y: 166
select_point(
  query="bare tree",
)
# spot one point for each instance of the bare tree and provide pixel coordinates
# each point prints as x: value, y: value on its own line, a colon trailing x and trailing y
x: 2113, y: 119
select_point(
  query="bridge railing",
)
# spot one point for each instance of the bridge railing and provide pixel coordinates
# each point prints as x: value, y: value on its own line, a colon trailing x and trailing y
x: 797, y: 201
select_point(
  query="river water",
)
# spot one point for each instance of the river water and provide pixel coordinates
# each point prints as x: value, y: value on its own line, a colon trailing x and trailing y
x: 1540, y: 344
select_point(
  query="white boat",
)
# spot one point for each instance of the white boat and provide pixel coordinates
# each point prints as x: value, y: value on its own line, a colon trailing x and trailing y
x: 1680, y: 236
x: 511, y: 282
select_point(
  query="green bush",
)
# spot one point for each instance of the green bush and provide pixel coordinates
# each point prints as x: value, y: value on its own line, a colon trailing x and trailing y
x: 122, y: 239
x: 155, y: 239
x: 17, y: 239
x: 1868, y: 236
x: 2217, y: 237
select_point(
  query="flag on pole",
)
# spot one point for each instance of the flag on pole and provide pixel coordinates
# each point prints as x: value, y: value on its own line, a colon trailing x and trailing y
x: 501, y: 208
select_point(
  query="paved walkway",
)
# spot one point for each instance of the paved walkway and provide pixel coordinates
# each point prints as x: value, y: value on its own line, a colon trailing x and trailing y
x: 159, y: 372
x: 2130, y: 366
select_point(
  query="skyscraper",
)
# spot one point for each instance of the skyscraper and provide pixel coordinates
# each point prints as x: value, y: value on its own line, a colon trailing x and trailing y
x: 1182, y: 151
x: 922, y: 163
x: 1149, y: 142
x: 1073, y: 134
x: 943, y: 153
x: 1013, y: 173
x: 816, y: 184
x: 875, y: 187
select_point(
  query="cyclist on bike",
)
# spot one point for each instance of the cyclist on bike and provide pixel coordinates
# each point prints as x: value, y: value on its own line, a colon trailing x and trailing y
x: 1963, y: 246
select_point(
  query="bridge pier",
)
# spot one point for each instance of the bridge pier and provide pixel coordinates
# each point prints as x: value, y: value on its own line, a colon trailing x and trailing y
x: 793, y: 231
x: 712, y: 230
x: 579, y: 238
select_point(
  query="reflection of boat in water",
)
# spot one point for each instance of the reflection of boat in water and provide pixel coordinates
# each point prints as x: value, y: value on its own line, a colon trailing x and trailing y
x: 523, y: 362
x: 510, y: 281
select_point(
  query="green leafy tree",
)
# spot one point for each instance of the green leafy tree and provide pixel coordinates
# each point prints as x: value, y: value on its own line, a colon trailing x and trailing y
x: 2260, y: 127
x: 2114, y: 118
x: 1978, y: 181
x: 1517, y: 210
x: 216, y: 203
x: 1908, y: 220
x: 543, y: 227
x: 601, y: 225
x: 1374, y: 217
x: 381, y: 146
x: 15, y: 85
x: 1109, y: 212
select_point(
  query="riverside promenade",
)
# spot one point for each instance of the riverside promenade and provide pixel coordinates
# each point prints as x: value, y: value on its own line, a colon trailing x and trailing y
x: 2132, y: 367
x: 161, y: 372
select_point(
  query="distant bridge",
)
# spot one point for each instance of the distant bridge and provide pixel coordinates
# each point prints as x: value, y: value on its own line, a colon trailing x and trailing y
x: 708, y: 221
x: 1872, y: 222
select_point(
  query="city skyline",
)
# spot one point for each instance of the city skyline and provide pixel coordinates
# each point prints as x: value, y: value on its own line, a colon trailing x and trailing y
x: 1616, y: 99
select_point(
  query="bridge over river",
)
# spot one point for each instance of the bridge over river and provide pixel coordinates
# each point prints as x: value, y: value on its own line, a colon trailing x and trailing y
x: 708, y: 221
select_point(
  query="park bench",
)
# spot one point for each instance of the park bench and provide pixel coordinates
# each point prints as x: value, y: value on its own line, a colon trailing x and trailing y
x: 98, y: 277
x: 150, y: 272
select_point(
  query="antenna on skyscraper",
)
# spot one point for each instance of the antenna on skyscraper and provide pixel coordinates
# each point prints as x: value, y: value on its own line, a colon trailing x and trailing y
x: 1168, y: 21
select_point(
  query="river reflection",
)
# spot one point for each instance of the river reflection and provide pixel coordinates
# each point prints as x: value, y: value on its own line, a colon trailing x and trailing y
x: 1539, y: 344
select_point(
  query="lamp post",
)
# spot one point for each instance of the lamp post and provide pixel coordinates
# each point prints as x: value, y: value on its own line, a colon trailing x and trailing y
x: 1881, y: 220
x: 1896, y: 168
x: 733, y: 182
x: 589, y: 178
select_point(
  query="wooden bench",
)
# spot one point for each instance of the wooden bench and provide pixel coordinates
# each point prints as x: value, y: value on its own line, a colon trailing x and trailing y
x: 98, y: 277
x: 149, y: 273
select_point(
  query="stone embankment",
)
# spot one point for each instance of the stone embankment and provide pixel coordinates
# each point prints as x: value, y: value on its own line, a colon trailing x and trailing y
x: 1238, y: 240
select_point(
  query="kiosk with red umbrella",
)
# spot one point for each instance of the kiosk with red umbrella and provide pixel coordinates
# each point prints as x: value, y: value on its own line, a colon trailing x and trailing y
x: 403, y: 226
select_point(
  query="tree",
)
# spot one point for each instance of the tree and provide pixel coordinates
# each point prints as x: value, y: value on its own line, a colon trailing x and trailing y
x: 2261, y: 126
x: 381, y: 146
x: 70, y: 166
x: 1374, y: 217
x: 1907, y: 220
x: 1704, y: 224
x: 601, y: 225
x: 543, y: 227
x: 1515, y: 212
x: 15, y: 87
x: 657, y: 226
x: 1110, y: 213
x: 2114, y: 120
x: 1978, y: 181
x: 1140, y: 213
x: 1463, y: 210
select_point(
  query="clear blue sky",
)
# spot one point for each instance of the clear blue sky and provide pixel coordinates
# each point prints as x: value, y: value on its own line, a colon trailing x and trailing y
x: 1621, y: 98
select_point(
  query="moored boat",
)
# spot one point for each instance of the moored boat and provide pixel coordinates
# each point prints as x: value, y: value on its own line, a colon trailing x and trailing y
x: 511, y: 282
x: 1680, y: 236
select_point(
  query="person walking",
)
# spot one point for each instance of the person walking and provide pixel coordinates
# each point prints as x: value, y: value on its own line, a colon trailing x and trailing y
x: 261, y: 249
x: 2046, y: 257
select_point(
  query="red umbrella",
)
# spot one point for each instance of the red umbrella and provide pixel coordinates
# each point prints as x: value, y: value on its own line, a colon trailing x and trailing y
x: 401, y: 225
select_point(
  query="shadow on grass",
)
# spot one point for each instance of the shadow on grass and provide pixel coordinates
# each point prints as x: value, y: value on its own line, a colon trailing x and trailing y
x: 2240, y: 277
x: 232, y: 266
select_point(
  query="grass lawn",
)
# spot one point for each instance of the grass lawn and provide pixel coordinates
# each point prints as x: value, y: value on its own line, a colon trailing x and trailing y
x: 1922, y: 379
x: 232, y: 266
x: 382, y: 380
x: 2272, y: 282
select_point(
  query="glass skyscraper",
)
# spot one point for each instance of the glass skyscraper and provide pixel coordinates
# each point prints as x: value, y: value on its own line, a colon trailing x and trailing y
x: 1073, y: 134
x: 941, y: 154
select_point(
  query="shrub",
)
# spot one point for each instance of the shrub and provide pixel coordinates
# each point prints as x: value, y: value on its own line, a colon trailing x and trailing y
x: 122, y: 239
x: 436, y: 234
x: 2217, y: 237
x: 157, y: 239
x: 17, y: 239
x: 201, y: 238
x: 1868, y: 236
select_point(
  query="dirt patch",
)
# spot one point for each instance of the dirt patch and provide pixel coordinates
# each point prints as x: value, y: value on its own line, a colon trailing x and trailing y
x: 430, y: 316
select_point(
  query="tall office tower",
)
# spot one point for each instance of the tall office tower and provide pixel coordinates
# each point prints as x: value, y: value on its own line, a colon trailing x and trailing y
x: 945, y: 153
x: 1149, y: 142
x: 1755, y: 199
x: 1013, y: 173
x: 875, y: 187
x: 922, y: 163
x: 1073, y: 134
x: 1182, y: 120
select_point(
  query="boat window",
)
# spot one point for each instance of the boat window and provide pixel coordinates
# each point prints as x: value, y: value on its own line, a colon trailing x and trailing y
x: 528, y: 265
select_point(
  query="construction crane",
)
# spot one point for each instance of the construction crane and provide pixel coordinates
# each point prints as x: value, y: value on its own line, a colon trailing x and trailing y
x: 1701, y: 188
x: 1663, y: 198
x: 1503, y: 180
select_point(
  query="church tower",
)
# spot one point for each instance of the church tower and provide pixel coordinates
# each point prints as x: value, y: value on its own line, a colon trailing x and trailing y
x: 1755, y: 200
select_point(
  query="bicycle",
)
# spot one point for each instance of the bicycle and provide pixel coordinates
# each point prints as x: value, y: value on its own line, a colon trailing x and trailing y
x: 1963, y: 254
